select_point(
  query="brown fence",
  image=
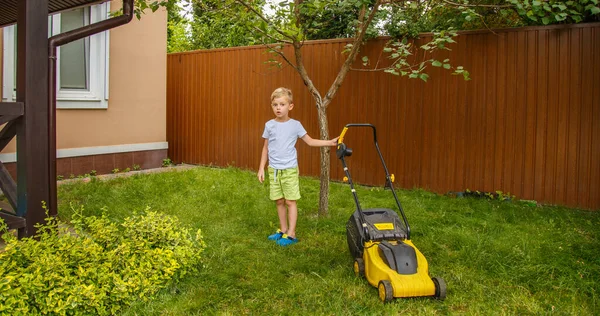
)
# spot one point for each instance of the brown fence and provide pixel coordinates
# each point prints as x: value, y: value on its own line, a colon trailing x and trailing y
x: 527, y: 123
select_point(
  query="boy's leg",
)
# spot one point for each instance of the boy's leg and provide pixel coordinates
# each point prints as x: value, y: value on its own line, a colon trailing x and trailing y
x: 276, y: 194
x: 282, y: 213
x: 292, y: 214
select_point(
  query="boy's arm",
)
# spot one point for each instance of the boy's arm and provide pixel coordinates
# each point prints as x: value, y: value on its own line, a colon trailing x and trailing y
x: 319, y: 142
x: 263, y: 161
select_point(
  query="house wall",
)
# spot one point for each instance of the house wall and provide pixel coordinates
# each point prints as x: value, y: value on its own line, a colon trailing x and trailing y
x: 137, y: 101
x: 132, y: 130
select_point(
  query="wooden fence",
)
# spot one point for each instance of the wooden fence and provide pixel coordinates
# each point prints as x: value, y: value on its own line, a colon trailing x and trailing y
x: 527, y: 123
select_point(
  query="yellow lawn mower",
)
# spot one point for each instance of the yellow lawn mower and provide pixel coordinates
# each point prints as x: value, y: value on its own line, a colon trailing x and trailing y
x: 380, y: 243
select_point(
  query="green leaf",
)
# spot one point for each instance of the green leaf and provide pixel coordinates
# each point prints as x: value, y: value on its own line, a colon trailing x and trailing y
x: 424, y: 77
x: 436, y: 63
x: 595, y: 10
x: 466, y: 76
x: 446, y: 66
x: 545, y: 20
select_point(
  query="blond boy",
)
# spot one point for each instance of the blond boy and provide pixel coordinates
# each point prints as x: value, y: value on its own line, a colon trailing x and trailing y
x: 281, y: 134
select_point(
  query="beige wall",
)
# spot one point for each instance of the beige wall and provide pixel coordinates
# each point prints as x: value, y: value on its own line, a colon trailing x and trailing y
x: 137, y: 97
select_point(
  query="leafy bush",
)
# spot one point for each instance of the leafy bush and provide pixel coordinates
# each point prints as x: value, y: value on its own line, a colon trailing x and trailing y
x: 98, y: 267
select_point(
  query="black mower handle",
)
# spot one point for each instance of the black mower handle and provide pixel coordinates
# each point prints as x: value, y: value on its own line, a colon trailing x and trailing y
x: 341, y: 139
x: 343, y: 151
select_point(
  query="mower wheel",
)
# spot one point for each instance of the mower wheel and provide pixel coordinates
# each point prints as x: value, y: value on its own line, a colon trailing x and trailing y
x: 440, y: 288
x: 386, y: 291
x: 359, y: 267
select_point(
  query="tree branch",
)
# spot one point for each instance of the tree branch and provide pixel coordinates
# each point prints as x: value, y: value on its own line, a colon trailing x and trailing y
x: 262, y: 17
x: 352, y: 55
x: 478, y: 5
x: 282, y: 55
x: 271, y: 36
x: 304, y: 75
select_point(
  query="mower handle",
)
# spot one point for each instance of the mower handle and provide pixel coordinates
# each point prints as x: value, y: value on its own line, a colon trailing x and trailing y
x: 341, y: 139
x: 344, y: 151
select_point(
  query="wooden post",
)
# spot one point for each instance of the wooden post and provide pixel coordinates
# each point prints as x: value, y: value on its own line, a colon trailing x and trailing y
x: 32, y: 131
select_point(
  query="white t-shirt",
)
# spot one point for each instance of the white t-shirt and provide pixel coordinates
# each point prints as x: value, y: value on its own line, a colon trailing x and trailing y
x: 282, y: 137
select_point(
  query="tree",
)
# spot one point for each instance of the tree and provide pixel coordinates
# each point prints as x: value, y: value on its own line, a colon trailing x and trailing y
x: 177, y: 37
x: 291, y: 23
x: 214, y: 25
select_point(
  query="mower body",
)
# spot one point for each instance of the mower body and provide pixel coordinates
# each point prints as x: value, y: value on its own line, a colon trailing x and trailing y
x: 386, y: 254
x: 379, y: 241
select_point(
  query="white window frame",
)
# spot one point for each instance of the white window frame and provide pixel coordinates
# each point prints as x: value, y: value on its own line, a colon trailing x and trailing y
x: 8, y: 73
x: 96, y: 96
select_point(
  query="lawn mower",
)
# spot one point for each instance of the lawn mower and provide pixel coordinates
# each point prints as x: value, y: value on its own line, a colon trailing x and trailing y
x: 380, y: 242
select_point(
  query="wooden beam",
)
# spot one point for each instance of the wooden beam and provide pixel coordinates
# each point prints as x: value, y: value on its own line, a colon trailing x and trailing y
x: 7, y: 133
x: 8, y: 186
x: 7, y: 118
x: 32, y: 129
x: 14, y: 222
x: 7, y: 208
x: 12, y: 108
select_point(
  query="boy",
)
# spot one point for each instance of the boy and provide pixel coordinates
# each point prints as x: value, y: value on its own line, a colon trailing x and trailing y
x: 281, y: 134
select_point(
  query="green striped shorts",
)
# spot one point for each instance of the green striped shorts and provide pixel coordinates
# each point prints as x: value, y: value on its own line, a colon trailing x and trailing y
x: 284, y: 184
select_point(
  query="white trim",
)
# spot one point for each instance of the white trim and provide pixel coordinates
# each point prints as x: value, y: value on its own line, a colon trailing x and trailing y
x: 94, y: 96
x: 106, y: 54
x: 100, y: 150
x: 8, y: 47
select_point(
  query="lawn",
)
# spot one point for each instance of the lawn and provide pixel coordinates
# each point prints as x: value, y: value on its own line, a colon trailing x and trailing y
x: 496, y: 257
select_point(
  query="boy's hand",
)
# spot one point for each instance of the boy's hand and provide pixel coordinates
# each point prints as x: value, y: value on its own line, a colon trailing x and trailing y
x: 334, y: 141
x: 261, y: 175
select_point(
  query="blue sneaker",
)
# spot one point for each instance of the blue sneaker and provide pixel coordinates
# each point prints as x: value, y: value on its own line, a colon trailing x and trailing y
x: 287, y: 240
x: 276, y: 236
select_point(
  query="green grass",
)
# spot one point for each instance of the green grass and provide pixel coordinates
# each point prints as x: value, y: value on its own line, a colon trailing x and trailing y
x: 496, y: 257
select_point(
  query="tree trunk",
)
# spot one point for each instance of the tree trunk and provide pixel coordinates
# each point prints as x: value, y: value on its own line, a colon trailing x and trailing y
x: 325, y: 161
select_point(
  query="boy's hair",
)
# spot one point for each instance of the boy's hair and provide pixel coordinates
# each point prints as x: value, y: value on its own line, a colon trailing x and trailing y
x: 282, y: 92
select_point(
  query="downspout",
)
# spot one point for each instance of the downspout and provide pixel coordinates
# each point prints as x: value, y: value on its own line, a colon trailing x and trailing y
x: 53, y: 43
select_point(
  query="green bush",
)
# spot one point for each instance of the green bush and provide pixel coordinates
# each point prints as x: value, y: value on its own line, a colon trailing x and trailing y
x: 97, y: 267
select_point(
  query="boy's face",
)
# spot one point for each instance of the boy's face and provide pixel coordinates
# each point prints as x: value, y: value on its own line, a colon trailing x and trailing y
x: 281, y: 107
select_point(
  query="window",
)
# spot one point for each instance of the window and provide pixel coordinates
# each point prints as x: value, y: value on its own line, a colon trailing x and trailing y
x: 82, y: 66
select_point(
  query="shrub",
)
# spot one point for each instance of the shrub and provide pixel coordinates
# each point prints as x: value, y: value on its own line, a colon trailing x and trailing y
x: 99, y: 268
x: 167, y: 162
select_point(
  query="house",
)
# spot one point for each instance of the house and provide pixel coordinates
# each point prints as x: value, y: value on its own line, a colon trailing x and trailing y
x: 111, y: 92
x: 75, y: 88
